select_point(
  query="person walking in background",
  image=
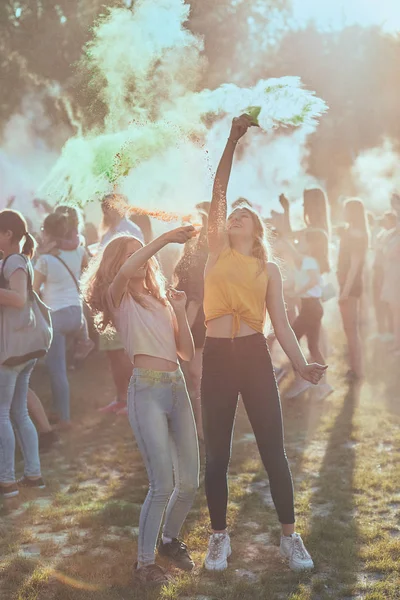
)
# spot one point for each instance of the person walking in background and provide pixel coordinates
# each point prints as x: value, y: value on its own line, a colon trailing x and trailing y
x: 57, y: 277
x: 354, y: 242
x: 18, y: 248
x: 241, y: 284
x: 125, y: 288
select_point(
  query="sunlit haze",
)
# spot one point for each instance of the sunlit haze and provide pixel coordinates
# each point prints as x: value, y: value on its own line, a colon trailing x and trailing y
x: 336, y: 14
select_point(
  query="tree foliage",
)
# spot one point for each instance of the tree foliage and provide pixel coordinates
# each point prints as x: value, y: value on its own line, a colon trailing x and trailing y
x: 355, y: 70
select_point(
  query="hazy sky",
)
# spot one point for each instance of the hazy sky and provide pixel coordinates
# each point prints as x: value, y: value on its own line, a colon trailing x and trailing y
x: 335, y: 14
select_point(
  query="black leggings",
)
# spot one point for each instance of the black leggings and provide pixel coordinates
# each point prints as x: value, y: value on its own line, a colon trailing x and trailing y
x: 229, y: 367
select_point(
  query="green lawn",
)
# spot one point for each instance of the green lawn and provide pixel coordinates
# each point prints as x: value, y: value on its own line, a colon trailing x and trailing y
x: 77, y: 541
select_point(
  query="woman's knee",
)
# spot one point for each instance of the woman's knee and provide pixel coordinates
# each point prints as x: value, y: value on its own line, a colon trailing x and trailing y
x: 188, y: 487
x: 162, y: 486
x: 274, y: 457
x: 217, y: 465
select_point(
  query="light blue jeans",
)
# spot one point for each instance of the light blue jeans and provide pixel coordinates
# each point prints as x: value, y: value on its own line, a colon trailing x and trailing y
x: 66, y: 323
x: 162, y: 420
x: 14, y: 383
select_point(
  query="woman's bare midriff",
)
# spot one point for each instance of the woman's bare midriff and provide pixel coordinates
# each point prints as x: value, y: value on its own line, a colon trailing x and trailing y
x: 143, y: 361
x: 222, y: 327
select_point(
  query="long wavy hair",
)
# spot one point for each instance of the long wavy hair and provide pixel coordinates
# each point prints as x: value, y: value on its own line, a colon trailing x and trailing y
x: 356, y: 218
x: 316, y: 210
x: 261, y: 245
x: 102, y: 271
x: 318, y: 243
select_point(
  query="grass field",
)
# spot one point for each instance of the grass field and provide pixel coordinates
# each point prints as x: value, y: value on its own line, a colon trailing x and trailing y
x: 77, y: 540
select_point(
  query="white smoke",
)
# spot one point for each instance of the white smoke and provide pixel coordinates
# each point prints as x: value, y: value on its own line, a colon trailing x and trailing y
x: 376, y: 175
x: 25, y: 156
x: 162, y: 136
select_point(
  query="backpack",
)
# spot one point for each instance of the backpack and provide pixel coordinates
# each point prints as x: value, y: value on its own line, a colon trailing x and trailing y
x: 25, y: 333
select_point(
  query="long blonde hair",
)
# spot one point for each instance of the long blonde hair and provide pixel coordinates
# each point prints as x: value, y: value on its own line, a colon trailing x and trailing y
x: 261, y: 245
x: 356, y: 217
x: 102, y: 271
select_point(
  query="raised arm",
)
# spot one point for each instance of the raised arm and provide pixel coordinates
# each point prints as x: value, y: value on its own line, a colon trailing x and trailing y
x: 218, y: 209
x: 184, y: 338
x: 128, y: 270
x: 284, y: 202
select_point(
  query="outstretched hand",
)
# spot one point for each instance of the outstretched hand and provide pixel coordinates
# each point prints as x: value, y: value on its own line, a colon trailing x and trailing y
x: 180, y: 235
x: 313, y: 372
x: 239, y: 127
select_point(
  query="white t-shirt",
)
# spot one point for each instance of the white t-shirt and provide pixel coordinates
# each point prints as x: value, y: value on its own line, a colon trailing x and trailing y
x: 59, y: 289
x: 124, y: 226
x: 145, y: 330
x: 310, y: 264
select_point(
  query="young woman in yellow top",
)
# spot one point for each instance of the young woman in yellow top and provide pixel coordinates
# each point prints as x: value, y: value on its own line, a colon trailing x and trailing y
x: 241, y: 284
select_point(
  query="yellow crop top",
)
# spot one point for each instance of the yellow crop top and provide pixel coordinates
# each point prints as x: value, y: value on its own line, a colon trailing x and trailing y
x: 235, y: 286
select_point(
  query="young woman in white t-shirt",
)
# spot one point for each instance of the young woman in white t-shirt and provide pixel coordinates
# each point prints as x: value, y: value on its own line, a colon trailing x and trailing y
x: 314, y: 263
x: 126, y: 291
x: 59, y: 291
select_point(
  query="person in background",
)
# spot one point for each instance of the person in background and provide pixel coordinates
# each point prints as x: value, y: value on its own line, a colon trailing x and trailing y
x: 391, y: 283
x: 18, y: 248
x: 125, y: 288
x: 115, y: 208
x: 73, y: 234
x: 316, y: 212
x: 383, y: 312
x: 71, y: 241
x: 316, y: 215
x: 144, y: 223
x: 57, y: 277
x: 189, y: 274
x: 116, y: 222
x: 354, y: 243
x: 314, y: 263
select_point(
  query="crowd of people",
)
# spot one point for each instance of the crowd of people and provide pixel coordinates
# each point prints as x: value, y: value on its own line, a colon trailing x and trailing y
x: 181, y: 351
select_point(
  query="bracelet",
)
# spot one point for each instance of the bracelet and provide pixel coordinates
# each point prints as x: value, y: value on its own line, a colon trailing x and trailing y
x: 233, y: 141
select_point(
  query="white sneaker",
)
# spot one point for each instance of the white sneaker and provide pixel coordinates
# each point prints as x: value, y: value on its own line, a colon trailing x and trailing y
x: 219, y: 549
x: 292, y: 548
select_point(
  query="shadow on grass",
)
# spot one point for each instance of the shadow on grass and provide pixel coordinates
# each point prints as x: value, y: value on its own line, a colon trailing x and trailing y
x: 333, y: 537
